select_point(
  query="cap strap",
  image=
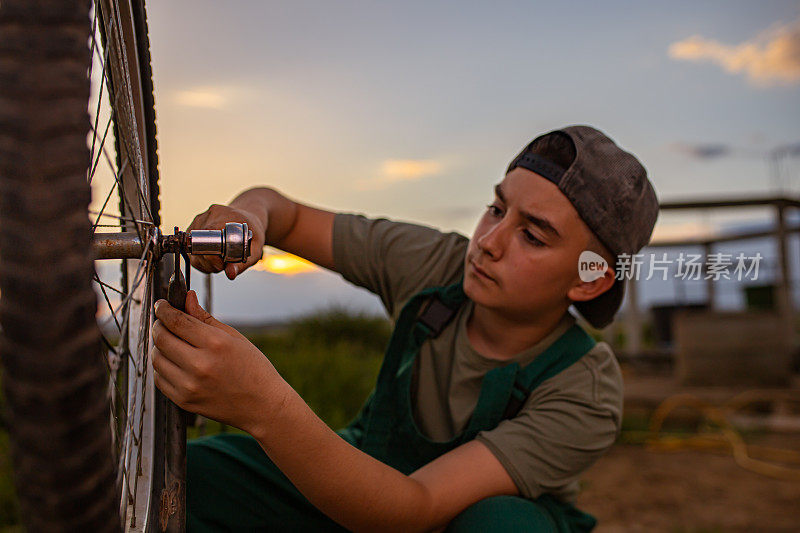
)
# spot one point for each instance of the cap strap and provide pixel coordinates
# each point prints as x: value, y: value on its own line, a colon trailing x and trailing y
x: 541, y: 165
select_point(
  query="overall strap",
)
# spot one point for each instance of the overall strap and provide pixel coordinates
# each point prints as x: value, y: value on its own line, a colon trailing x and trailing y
x: 411, y: 330
x: 505, y: 388
x: 493, y: 398
x: 436, y: 315
x: 442, y: 307
x: 567, y: 349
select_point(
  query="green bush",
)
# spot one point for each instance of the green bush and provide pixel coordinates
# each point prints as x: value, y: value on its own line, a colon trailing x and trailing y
x: 331, y: 359
x: 337, y: 325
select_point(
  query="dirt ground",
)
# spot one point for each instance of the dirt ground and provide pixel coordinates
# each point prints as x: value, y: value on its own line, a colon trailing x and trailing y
x: 632, y: 489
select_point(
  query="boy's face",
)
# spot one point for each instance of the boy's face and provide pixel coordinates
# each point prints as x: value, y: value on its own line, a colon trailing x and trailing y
x: 523, y: 257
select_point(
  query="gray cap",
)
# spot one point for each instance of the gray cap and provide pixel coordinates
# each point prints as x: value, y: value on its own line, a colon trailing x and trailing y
x: 608, y: 188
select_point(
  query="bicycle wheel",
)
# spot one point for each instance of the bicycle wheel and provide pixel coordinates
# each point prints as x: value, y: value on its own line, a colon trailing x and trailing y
x: 121, y: 53
x: 68, y: 386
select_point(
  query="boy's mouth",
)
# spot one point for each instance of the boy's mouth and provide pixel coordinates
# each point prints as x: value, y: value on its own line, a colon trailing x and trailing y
x: 480, y: 272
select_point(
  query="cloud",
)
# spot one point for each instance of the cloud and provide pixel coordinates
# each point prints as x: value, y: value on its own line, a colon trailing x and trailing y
x: 204, y: 98
x: 702, y: 151
x: 770, y: 58
x: 395, y: 170
x: 410, y: 169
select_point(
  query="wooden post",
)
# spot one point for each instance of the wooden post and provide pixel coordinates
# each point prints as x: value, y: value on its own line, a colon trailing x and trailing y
x: 783, y: 294
x: 633, y: 320
x: 709, y: 282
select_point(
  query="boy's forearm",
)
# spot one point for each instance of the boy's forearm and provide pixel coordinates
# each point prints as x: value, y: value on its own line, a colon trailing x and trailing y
x: 354, y: 489
x: 274, y: 210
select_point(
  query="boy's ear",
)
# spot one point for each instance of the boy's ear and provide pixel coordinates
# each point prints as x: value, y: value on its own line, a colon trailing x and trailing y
x: 589, y: 290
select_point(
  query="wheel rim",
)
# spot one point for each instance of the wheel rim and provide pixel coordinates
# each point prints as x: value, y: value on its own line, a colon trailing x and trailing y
x: 119, y: 100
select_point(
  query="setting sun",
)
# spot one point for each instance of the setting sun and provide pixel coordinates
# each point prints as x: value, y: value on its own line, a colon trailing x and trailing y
x: 283, y: 263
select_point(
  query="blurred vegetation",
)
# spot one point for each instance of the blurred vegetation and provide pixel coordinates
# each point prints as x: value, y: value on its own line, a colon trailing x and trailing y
x: 331, y: 358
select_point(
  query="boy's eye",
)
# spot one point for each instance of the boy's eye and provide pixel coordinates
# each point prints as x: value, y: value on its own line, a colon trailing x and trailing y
x: 493, y: 210
x: 532, y: 239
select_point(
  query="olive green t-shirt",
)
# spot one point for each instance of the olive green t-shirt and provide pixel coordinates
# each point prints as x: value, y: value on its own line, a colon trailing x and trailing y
x: 567, y: 422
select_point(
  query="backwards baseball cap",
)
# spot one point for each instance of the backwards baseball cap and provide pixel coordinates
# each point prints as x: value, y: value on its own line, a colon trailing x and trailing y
x: 608, y: 188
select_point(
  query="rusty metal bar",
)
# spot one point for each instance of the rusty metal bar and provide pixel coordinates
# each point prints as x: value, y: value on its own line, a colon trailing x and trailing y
x: 117, y: 246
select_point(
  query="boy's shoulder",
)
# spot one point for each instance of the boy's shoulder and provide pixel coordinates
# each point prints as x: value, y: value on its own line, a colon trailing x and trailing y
x: 395, y: 259
x: 596, y: 378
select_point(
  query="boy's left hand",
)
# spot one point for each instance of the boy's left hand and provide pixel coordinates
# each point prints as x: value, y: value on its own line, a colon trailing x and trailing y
x: 209, y: 368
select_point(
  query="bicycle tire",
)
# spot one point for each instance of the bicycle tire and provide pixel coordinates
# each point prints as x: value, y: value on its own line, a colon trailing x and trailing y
x: 54, y: 379
x: 131, y: 21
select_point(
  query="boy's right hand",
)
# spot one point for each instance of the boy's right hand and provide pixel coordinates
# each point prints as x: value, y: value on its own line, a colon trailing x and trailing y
x: 215, y: 217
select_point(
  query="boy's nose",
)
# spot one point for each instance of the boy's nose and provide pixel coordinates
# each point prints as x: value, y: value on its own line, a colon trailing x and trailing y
x: 493, y: 242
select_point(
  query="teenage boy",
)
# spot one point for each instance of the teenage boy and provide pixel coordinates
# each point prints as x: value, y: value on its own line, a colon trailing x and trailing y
x: 491, y: 400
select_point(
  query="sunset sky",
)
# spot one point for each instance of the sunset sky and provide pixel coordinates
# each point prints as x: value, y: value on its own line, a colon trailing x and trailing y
x: 412, y: 110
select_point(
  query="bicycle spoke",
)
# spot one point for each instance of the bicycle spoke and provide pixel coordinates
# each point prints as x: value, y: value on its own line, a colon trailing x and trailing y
x: 121, y: 187
x: 97, y: 113
x: 133, y: 131
x: 120, y: 327
x: 137, y: 281
x: 106, y: 285
x: 143, y: 200
x: 102, y: 288
x: 114, y: 41
x: 96, y: 160
x: 143, y: 348
x: 118, y: 179
x: 122, y: 219
x: 132, y: 438
x: 94, y: 42
x: 105, y: 203
x: 113, y: 373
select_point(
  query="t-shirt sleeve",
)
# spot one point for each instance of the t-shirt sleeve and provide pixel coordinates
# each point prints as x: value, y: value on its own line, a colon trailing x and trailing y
x: 394, y: 259
x: 567, y: 423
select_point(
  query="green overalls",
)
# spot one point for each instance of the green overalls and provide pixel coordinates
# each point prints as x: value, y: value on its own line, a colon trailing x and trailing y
x: 232, y: 485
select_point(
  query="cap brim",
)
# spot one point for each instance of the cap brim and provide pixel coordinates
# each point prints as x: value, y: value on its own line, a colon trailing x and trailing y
x: 600, y: 311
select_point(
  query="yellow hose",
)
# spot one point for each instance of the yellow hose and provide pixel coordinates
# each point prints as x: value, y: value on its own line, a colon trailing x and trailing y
x: 727, y: 439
